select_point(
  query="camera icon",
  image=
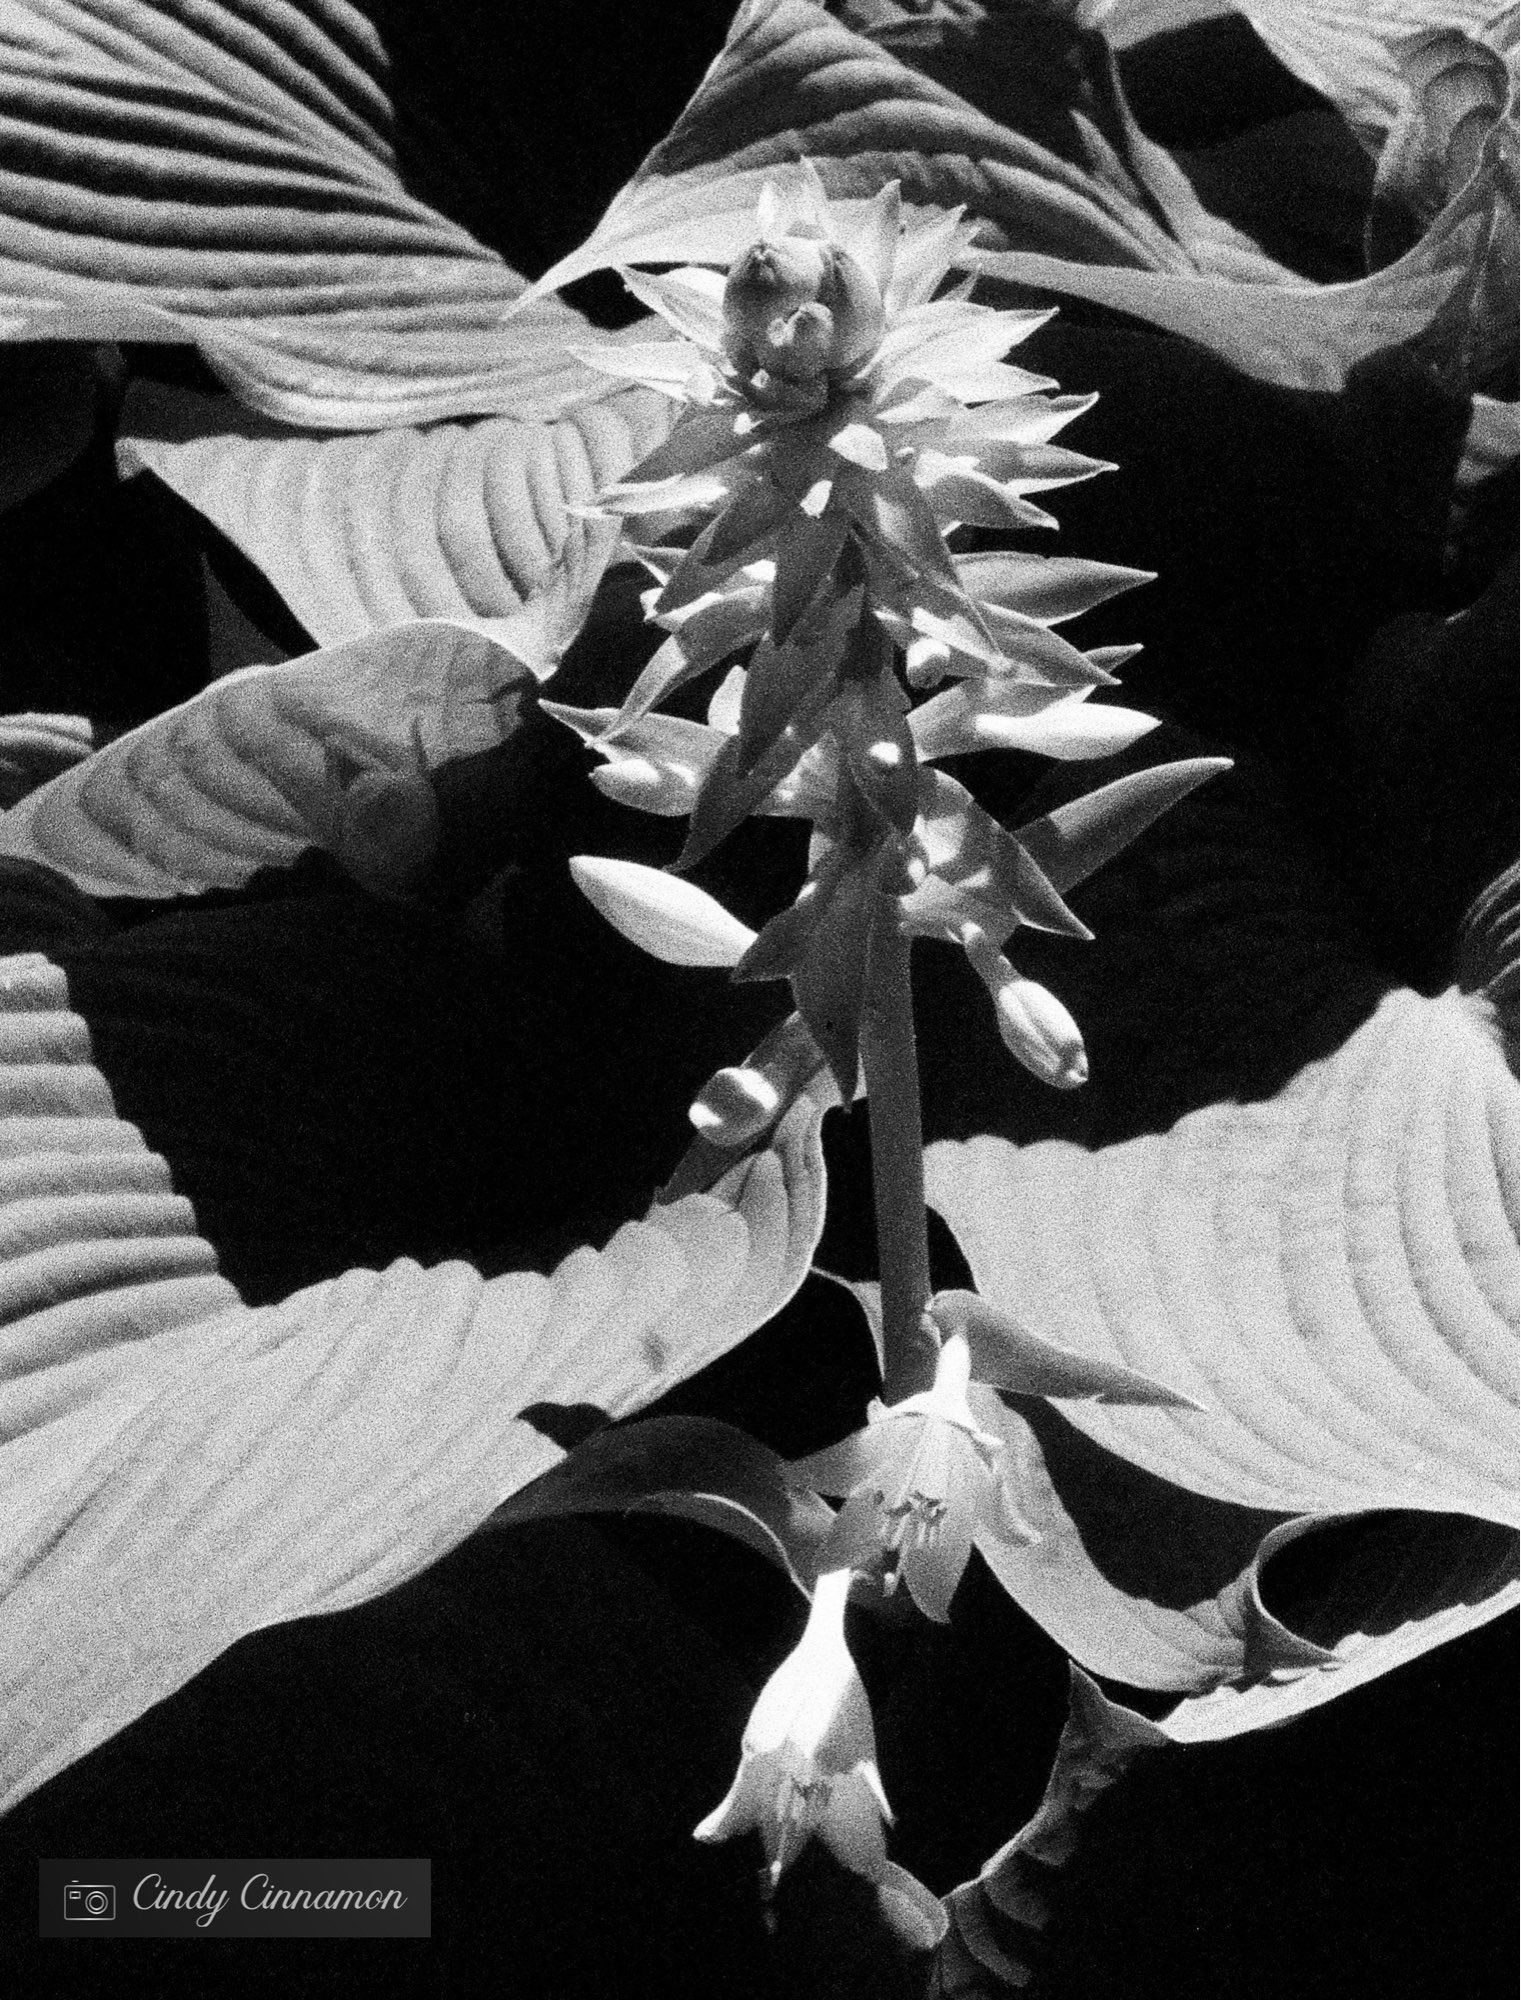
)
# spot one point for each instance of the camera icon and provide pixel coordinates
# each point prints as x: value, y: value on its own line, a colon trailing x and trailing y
x: 89, y: 1902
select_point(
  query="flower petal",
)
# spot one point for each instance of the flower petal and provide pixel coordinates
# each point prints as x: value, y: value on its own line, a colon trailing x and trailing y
x: 852, y: 1824
x: 916, y: 1916
x: 1049, y: 589
x: 691, y: 300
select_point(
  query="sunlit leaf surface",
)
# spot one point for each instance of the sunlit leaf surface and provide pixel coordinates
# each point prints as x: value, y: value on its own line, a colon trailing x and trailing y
x: 1310, y: 1228
x: 329, y: 751
x: 460, y: 519
x: 790, y: 78
x: 179, y: 1469
x: 227, y: 176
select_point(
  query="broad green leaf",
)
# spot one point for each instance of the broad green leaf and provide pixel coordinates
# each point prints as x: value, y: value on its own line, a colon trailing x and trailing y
x: 226, y: 176
x: 1330, y: 1273
x: 696, y: 1467
x: 179, y: 1469
x: 332, y: 751
x: 463, y: 519
x: 34, y: 748
x: 1455, y: 89
x: 790, y: 79
x: 1489, y: 956
x: 1345, y: 49
x: 1288, y: 1190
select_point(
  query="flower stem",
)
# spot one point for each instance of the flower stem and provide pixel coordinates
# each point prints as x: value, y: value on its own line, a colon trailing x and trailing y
x: 890, y: 1060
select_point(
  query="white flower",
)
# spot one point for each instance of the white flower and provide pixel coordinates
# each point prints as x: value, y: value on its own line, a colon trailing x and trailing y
x: 808, y: 1762
x: 928, y: 1476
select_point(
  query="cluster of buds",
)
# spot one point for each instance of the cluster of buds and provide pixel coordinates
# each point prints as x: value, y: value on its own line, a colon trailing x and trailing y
x: 799, y: 307
x: 841, y: 416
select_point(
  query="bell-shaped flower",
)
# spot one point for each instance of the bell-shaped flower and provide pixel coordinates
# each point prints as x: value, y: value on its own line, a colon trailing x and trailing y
x: 927, y: 1477
x: 923, y: 1477
x: 808, y: 1761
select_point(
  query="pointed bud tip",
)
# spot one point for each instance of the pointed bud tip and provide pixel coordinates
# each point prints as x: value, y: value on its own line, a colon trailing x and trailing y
x: 673, y: 920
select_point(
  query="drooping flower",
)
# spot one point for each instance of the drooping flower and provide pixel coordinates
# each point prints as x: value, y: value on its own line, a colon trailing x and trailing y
x: 929, y: 1476
x: 808, y: 1762
x: 808, y: 1765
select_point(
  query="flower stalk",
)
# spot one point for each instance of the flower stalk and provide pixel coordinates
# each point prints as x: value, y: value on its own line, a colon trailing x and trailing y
x: 848, y: 410
x: 889, y: 1058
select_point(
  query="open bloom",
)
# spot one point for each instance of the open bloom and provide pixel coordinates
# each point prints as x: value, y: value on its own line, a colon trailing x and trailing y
x: 926, y: 1475
x: 808, y: 1763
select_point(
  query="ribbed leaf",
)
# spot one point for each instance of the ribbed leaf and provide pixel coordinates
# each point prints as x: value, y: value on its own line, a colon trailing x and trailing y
x: 1345, y: 49
x: 1330, y: 1273
x: 178, y: 1469
x: 790, y: 79
x: 993, y: 1917
x: 1331, y: 1276
x: 226, y: 175
x: 456, y: 520
x: 34, y: 748
x: 1294, y: 1200
x: 330, y: 751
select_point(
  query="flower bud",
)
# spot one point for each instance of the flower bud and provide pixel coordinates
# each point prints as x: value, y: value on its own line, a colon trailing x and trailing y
x: 1040, y: 1033
x: 768, y: 282
x: 1036, y: 1028
x: 799, y: 308
x: 735, y: 1106
x: 672, y: 919
x: 800, y: 346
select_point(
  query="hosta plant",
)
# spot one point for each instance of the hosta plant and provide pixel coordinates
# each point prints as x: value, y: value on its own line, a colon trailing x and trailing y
x: 1206, y: 1385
